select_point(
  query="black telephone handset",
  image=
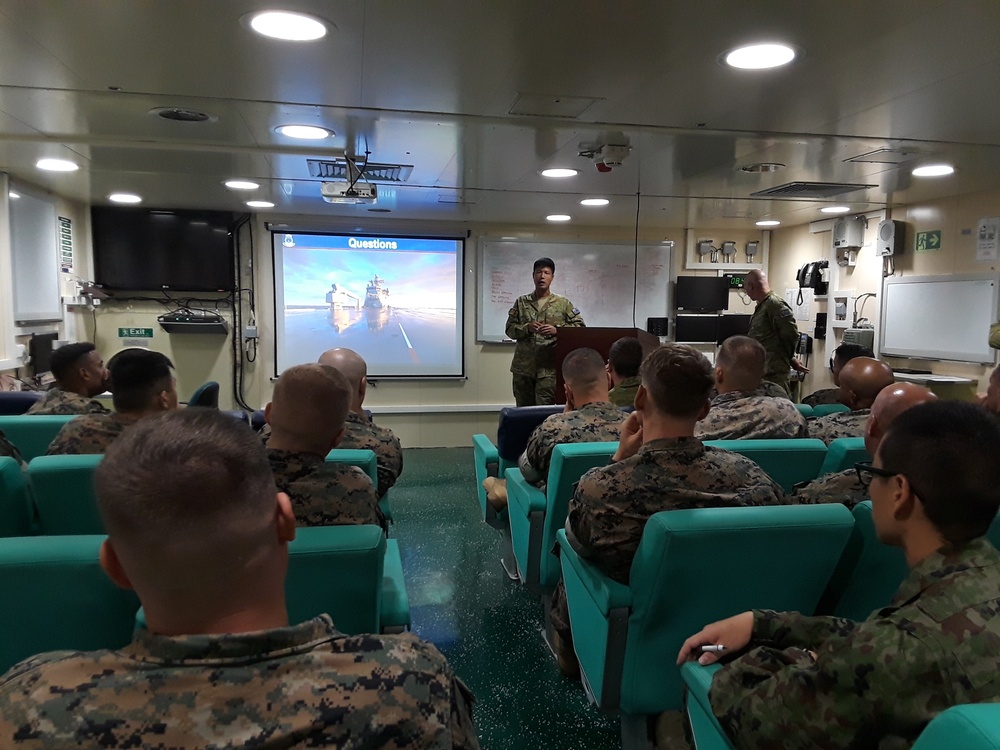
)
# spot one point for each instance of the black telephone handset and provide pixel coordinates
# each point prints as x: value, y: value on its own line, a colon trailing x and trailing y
x: 805, y: 346
x: 810, y: 276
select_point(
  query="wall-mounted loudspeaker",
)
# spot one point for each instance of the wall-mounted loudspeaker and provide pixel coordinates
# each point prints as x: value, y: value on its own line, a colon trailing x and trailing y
x: 889, y: 239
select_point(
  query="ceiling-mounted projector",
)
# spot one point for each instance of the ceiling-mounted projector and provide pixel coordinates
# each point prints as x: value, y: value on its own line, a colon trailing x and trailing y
x: 345, y: 193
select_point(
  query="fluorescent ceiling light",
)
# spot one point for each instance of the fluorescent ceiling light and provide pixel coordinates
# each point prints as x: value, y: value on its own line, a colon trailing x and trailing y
x: 305, y: 132
x: 835, y: 209
x: 13, y: 195
x: 260, y: 204
x: 57, y: 165
x: 768, y: 223
x: 594, y: 202
x: 241, y: 185
x: 290, y: 27
x: 760, y: 56
x: 559, y: 172
x: 933, y: 170
x: 558, y: 217
x: 124, y: 198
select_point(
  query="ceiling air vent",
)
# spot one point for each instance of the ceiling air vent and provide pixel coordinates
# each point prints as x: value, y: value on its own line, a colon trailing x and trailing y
x: 810, y: 190
x: 337, y: 169
x: 885, y: 156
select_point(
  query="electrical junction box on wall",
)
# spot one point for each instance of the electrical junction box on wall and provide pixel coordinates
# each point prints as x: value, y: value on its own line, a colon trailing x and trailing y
x: 849, y: 232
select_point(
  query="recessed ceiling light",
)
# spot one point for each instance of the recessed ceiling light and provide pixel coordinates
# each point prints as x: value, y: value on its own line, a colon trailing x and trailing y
x: 260, y: 204
x: 305, y: 132
x: 835, y: 209
x: 290, y: 27
x: 241, y: 185
x: 124, y: 198
x: 768, y: 223
x: 558, y: 217
x: 13, y: 195
x: 594, y: 202
x: 57, y: 165
x: 933, y: 170
x: 760, y: 56
x: 559, y: 172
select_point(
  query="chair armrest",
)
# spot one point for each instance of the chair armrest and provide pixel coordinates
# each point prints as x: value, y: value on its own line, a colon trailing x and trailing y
x: 485, y: 453
x: 606, y: 594
x: 698, y: 680
x: 525, y: 495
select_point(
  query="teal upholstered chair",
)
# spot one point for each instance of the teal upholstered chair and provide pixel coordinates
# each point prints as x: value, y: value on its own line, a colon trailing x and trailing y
x: 536, y: 516
x: 969, y: 727
x: 32, y: 433
x: 692, y: 567
x: 57, y: 597
x: 788, y: 462
x: 15, y: 503
x: 366, y: 461
x: 206, y: 396
x: 352, y: 574
x: 63, y: 490
x: 804, y: 409
x: 706, y: 731
x: 821, y: 410
x: 868, y: 573
x: 843, y: 453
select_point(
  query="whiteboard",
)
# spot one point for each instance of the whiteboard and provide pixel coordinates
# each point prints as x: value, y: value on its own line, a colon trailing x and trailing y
x: 597, y: 278
x: 939, y: 317
x: 34, y: 258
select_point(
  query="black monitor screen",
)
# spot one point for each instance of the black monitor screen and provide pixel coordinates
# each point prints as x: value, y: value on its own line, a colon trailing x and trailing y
x: 141, y: 249
x: 702, y: 293
x: 733, y: 325
x: 696, y: 328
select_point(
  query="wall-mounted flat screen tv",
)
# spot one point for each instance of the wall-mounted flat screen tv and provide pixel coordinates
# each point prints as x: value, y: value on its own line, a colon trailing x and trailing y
x: 702, y: 293
x: 141, y: 249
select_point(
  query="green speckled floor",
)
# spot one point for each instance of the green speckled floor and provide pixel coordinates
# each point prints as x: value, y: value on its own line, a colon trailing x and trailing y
x: 487, y: 625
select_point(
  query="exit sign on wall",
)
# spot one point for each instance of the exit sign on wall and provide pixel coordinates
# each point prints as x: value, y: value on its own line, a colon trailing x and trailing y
x: 135, y: 333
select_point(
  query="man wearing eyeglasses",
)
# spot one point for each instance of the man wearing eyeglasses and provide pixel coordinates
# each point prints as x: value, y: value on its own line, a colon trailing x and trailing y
x: 846, y: 486
x: 833, y: 683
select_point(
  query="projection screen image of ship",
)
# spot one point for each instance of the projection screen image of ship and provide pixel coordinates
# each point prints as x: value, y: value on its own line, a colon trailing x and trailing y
x: 396, y: 301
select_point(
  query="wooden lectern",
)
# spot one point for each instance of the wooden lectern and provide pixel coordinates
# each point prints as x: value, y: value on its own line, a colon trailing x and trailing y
x: 599, y: 339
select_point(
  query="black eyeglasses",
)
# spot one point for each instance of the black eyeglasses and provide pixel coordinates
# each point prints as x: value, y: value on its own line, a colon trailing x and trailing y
x: 866, y: 472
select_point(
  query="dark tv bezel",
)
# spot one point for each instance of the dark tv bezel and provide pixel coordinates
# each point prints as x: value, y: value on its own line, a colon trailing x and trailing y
x: 720, y: 281
x: 229, y: 288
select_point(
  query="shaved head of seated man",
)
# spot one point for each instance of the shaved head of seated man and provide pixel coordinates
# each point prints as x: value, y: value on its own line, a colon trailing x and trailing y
x: 841, y: 356
x: 845, y: 486
x: 741, y: 410
x: 80, y: 375
x: 198, y: 529
x: 861, y: 380
x: 306, y: 414
x: 143, y: 384
x: 624, y: 358
x: 361, y: 433
x: 799, y: 681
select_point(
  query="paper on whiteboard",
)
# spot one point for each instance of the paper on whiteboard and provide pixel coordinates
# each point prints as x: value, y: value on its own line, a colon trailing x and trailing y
x: 800, y: 311
x: 986, y: 244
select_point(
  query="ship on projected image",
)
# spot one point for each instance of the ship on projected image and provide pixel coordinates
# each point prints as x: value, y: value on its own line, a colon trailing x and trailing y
x: 377, y: 294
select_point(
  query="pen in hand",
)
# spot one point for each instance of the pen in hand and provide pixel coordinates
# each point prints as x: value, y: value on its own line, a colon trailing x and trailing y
x: 713, y: 649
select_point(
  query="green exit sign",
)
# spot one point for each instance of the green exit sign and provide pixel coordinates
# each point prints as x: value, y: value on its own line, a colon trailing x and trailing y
x: 135, y: 333
x: 928, y: 241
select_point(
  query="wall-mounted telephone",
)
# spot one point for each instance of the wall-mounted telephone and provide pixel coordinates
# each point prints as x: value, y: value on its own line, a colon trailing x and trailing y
x: 805, y: 346
x: 810, y: 276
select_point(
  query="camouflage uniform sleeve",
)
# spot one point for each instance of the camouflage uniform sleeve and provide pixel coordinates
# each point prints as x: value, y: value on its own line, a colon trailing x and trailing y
x: 863, y: 676
x: 389, y: 464
x: 7, y: 448
x: 65, y: 442
x: 783, y: 321
x: 528, y: 471
x: 517, y: 325
x: 572, y: 317
x: 463, y: 730
x: 538, y: 454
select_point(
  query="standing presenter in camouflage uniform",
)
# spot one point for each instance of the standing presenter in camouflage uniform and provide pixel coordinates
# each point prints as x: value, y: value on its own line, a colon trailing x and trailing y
x: 773, y: 325
x: 532, y: 323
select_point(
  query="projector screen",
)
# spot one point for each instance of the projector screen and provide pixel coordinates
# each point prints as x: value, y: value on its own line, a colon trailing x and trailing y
x: 396, y: 301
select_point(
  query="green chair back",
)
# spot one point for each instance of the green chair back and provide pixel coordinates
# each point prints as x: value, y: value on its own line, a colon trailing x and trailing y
x: 57, y: 597
x: 804, y: 409
x: 32, y: 433
x: 63, y: 489
x: 868, y: 573
x: 843, y: 453
x: 535, y: 517
x: 788, y: 462
x: 15, y: 503
x: 337, y: 570
x: 969, y: 727
x: 821, y: 410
